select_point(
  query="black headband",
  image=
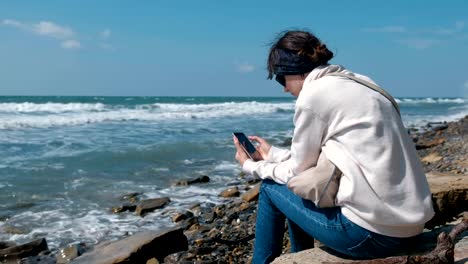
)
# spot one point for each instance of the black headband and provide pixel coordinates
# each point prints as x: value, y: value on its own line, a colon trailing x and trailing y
x: 290, y: 63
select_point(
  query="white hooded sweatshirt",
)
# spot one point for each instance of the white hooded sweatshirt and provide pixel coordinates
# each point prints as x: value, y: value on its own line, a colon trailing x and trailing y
x: 383, y: 187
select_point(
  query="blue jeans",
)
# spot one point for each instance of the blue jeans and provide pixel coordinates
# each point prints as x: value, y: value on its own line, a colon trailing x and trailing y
x: 306, y: 222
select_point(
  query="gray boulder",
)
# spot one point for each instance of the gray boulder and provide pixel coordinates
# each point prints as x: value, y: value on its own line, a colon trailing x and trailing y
x: 137, y: 248
x: 147, y: 206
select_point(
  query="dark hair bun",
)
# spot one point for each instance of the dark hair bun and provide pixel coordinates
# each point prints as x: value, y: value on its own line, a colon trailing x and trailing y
x: 322, y: 54
x: 302, y: 43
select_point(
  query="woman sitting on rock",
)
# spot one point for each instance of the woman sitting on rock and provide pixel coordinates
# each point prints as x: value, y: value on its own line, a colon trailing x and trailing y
x: 383, y: 198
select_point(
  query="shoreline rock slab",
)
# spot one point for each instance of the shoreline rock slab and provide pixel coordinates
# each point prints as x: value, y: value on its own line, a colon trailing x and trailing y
x: 138, y: 248
x: 230, y: 192
x: 201, y: 179
x: 426, y: 243
x: 449, y: 196
x: 147, y: 206
x: 252, y: 194
x: 33, y: 248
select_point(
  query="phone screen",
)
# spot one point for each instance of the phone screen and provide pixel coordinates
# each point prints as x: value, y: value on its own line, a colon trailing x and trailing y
x: 244, y: 141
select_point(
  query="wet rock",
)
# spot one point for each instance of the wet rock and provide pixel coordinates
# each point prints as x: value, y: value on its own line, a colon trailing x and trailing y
x: 131, y: 197
x: 431, y: 158
x: 449, y: 197
x: 14, y: 230
x: 123, y: 208
x: 188, y: 223
x: 17, y: 252
x: 219, y: 210
x: 252, y: 179
x: 233, y: 183
x: 7, y: 244
x: 147, y: 206
x: 179, y: 216
x: 67, y: 254
x: 201, y: 179
x: 230, y: 192
x: 208, y: 217
x: 152, y: 261
x: 137, y: 248
x: 430, y: 144
x: 44, y: 259
x: 251, y: 194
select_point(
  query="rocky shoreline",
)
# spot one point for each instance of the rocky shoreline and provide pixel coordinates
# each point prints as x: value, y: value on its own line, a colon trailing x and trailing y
x: 224, y: 233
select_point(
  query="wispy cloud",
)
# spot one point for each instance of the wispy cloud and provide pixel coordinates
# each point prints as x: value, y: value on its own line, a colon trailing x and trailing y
x: 386, y: 29
x: 104, y: 43
x: 457, y: 28
x: 106, y: 46
x: 71, y: 44
x: 14, y: 23
x: 421, y: 38
x: 105, y: 34
x: 50, y: 29
x: 465, y: 84
x: 418, y: 43
x: 47, y: 29
x: 245, y: 67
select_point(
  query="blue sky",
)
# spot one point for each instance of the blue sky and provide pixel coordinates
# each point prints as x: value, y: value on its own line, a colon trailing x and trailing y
x: 219, y: 48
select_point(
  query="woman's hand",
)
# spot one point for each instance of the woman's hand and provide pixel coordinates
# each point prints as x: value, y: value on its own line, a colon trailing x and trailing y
x: 241, y: 156
x: 263, y: 146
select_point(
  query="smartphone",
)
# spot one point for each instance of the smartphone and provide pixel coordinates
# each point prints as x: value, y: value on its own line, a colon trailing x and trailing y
x: 248, y: 147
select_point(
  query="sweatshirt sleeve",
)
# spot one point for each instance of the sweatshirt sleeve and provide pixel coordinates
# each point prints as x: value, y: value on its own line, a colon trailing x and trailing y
x: 305, y: 149
x: 278, y: 154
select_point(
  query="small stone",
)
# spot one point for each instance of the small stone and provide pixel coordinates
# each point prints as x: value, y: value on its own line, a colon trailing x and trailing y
x: 230, y: 192
x: 32, y: 248
x: 7, y: 244
x: 252, y: 194
x: 201, y: 179
x: 431, y: 158
x: 219, y: 210
x: 131, y: 197
x: 14, y: 230
x: 244, y: 206
x: 123, y: 208
x: 152, y: 261
x: 65, y: 255
x: 181, y: 216
x: 150, y: 205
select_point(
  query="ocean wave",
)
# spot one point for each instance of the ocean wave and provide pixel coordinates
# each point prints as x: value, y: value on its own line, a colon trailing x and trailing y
x: 422, y: 120
x: 97, y: 113
x: 49, y: 107
x: 430, y: 100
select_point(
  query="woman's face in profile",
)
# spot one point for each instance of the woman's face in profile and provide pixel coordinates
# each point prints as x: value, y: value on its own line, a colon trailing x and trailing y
x: 294, y: 84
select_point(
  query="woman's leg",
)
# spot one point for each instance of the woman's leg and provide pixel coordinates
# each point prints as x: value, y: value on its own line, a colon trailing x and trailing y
x: 299, y: 239
x: 269, y: 231
x: 328, y: 225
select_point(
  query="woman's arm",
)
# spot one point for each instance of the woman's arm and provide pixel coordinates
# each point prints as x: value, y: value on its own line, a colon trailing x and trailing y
x: 305, y: 149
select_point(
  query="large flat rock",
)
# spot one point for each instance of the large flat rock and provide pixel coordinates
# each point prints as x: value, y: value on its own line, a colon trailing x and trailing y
x: 450, y: 196
x: 427, y: 243
x: 137, y: 248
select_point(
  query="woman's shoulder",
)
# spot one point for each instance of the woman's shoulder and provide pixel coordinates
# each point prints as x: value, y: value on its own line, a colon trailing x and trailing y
x: 318, y: 90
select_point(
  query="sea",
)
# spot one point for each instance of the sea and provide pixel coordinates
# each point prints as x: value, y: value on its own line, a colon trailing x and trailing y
x: 65, y: 161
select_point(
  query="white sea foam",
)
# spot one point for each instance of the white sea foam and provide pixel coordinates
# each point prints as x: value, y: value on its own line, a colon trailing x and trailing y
x: 90, y: 227
x: 226, y: 166
x: 422, y: 120
x: 430, y: 100
x: 5, y: 184
x: 156, y: 112
x: 49, y: 107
